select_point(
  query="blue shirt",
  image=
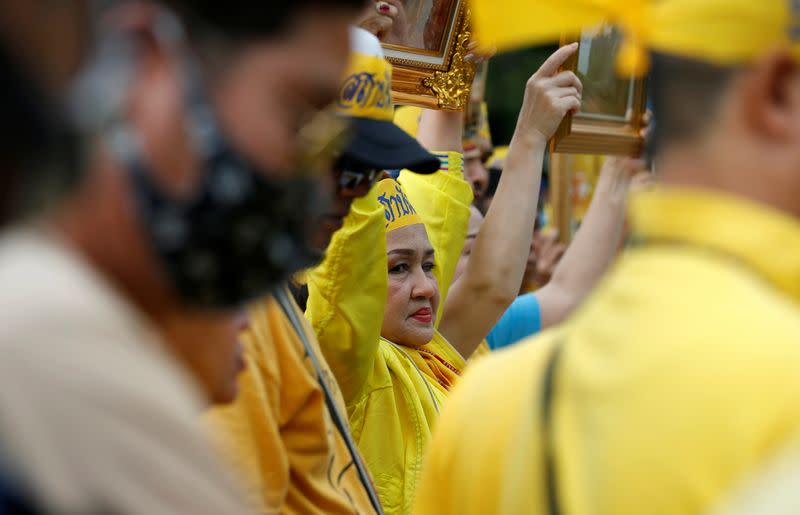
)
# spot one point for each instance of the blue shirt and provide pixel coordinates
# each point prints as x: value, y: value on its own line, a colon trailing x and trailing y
x: 523, y: 318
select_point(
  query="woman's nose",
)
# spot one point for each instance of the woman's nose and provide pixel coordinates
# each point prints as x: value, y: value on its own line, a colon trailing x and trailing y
x: 424, y: 287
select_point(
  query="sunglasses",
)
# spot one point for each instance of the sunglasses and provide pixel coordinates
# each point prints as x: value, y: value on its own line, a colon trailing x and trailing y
x: 352, y: 174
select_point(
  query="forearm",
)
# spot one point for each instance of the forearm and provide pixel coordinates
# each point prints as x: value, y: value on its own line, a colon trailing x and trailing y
x: 497, y: 262
x: 441, y: 130
x: 500, y: 252
x: 591, y: 252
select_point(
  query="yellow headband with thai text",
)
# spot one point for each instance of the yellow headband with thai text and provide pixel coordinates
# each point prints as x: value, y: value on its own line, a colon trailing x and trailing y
x: 397, y: 209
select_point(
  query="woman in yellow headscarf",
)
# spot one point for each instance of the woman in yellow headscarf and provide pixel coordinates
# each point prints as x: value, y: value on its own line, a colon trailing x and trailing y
x: 380, y: 303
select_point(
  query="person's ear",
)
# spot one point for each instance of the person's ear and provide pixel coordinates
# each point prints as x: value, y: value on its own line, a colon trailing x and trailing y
x: 157, y: 111
x: 771, y: 94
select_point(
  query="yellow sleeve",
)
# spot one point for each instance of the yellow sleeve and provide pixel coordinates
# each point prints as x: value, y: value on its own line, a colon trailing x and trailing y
x: 347, y: 294
x: 248, y: 430
x: 443, y: 200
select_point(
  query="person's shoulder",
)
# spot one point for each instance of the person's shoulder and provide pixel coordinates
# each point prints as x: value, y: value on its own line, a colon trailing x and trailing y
x: 501, y: 381
x: 692, y: 298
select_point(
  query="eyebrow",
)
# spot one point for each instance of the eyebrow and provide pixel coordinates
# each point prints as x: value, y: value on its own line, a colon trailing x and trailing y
x: 409, y: 252
x: 401, y: 252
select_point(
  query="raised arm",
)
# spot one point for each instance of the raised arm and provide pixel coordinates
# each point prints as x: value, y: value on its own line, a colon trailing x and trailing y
x: 595, y: 245
x: 491, y: 280
x: 441, y: 131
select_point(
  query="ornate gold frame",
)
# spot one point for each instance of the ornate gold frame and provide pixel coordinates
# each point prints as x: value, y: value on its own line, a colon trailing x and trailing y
x: 436, y: 86
x: 580, y: 135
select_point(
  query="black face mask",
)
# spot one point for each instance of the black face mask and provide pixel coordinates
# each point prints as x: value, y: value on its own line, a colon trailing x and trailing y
x: 240, y: 233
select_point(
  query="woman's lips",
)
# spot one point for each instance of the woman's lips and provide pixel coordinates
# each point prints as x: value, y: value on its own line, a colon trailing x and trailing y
x: 423, y: 315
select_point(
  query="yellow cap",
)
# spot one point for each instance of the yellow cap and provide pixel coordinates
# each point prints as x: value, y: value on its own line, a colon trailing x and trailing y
x: 724, y: 32
x: 366, y: 91
x: 407, y: 118
x: 398, y: 210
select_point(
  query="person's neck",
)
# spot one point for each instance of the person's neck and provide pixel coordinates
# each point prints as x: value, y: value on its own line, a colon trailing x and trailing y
x: 729, y: 170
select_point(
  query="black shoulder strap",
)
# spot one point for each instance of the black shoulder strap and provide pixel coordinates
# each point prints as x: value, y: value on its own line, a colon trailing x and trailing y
x: 285, y: 303
x: 548, y: 445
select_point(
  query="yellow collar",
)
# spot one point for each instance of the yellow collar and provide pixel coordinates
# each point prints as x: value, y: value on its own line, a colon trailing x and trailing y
x: 760, y: 237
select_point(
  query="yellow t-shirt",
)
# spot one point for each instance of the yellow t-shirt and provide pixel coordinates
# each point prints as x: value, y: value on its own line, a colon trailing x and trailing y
x: 279, y: 434
x: 393, y: 393
x: 675, y: 379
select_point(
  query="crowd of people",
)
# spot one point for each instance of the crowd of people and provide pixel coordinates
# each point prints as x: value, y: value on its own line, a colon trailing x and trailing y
x: 236, y: 278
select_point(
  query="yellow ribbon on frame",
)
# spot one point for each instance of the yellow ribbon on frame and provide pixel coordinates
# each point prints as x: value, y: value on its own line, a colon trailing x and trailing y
x: 723, y: 32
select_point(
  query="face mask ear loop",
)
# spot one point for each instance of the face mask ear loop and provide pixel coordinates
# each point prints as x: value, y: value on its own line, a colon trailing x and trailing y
x: 201, y: 123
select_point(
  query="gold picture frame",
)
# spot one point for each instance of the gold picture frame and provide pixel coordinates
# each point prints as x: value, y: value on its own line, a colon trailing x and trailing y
x: 429, y: 55
x: 611, y: 116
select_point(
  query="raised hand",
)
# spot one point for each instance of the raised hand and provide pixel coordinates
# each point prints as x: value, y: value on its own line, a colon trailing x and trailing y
x: 549, y: 96
x: 379, y: 19
x: 396, y: 10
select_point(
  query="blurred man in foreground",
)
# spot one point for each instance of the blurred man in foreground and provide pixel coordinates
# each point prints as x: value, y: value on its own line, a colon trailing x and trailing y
x: 41, y: 46
x: 121, y: 308
x: 679, y: 375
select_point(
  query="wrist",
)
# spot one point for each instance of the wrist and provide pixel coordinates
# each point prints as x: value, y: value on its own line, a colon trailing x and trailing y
x: 614, y: 185
x: 529, y: 138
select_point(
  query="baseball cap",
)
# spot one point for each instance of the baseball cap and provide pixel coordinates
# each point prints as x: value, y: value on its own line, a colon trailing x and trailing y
x: 365, y: 97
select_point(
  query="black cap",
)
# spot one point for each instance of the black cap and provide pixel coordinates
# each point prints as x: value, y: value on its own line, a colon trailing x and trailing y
x: 382, y: 144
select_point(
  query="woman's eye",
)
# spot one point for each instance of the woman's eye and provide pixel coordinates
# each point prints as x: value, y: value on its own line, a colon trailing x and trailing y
x: 398, y: 269
x: 428, y: 267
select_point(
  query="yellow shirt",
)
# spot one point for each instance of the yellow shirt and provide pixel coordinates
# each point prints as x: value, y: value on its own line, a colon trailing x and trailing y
x: 279, y: 434
x: 393, y: 393
x: 675, y: 379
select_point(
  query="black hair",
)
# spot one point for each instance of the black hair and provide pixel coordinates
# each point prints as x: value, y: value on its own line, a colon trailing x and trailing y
x: 686, y: 96
x: 250, y: 19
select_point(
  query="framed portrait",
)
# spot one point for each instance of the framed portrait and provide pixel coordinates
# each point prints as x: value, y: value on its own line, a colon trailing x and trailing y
x: 612, y: 109
x: 427, y: 48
